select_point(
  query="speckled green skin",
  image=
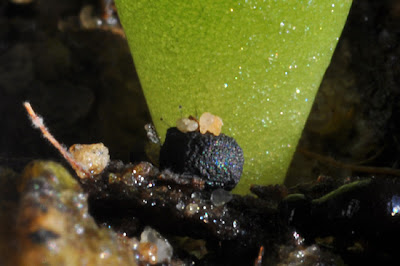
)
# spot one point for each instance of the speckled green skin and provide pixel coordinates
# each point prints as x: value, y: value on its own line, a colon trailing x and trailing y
x: 256, y: 64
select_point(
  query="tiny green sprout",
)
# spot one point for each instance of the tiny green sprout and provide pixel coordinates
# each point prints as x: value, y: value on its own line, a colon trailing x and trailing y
x: 257, y: 64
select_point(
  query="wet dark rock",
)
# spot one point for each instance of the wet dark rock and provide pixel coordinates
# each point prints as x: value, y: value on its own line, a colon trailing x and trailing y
x: 362, y: 213
x: 242, y: 224
x: 307, y: 255
x: 216, y: 159
x: 357, y: 219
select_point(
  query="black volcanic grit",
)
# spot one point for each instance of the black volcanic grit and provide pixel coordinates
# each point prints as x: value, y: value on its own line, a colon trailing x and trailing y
x: 217, y: 159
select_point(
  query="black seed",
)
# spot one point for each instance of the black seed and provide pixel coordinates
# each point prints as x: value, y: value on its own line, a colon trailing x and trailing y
x: 217, y: 159
x: 42, y: 236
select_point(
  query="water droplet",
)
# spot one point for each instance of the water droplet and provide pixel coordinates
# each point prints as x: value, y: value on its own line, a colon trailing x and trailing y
x: 235, y: 224
x: 192, y: 208
x: 79, y: 229
x: 180, y: 205
x: 105, y: 254
x: 220, y: 196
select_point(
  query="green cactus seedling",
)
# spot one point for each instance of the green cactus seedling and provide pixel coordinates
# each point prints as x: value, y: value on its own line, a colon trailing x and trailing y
x: 256, y: 64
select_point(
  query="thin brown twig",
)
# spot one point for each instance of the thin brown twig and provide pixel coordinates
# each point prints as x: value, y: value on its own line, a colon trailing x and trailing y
x: 260, y: 256
x: 355, y: 168
x: 37, y: 122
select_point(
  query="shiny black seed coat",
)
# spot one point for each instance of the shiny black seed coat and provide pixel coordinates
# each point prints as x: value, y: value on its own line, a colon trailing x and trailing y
x: 217, y: 159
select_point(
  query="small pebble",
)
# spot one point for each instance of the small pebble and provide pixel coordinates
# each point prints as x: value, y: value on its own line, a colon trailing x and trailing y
x: 92, y: 157
x: 210, y: 123
x: 152, y: 239
x: 185, y: 125
x: 218, y: 160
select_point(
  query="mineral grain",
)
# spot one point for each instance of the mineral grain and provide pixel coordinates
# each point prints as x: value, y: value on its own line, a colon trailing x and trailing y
x: 216, y: 159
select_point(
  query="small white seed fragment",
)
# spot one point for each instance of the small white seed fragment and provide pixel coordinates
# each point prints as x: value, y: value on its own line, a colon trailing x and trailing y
x: 185, y: 125
x: 210, y: 123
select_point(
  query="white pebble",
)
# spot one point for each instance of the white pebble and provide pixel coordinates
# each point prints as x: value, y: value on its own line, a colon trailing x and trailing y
x: 164, y: 248
x: 185, y: 125
x: 210, y: 123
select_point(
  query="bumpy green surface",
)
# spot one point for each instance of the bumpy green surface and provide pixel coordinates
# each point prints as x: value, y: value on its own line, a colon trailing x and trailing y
x: 256, y: 64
